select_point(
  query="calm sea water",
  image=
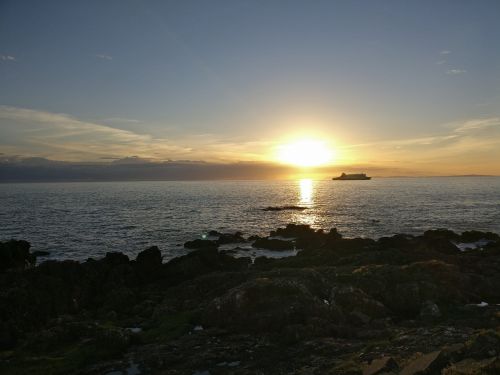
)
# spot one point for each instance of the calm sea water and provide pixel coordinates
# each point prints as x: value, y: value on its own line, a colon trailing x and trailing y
x: 81, y: 220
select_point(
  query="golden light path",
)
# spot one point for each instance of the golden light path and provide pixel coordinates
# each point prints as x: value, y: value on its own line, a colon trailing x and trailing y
x: 305, y: 153
x: 306, y: 198
x: 306, y: 191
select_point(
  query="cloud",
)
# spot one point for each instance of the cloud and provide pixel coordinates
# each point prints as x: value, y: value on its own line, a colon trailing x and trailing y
x: 445, y: 52
x: 104, y: 57
x: 455, y: 71
x: 121, y: 120
x: 7, y: 58
x: 63, y: 137
x: 440, y: 62
x: 470, y: 146
x: 478, y: 124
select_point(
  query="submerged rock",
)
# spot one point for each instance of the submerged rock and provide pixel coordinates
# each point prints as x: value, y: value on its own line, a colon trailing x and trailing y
x: 284, y: 208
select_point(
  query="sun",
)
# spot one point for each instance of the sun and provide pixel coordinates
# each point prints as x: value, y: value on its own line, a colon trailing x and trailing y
x: 305, y: 153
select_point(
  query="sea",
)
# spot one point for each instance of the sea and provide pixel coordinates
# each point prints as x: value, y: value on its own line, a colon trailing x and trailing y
x: 81, y: 220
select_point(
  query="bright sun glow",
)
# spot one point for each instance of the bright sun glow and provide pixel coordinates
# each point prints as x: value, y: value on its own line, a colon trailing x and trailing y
x: 305, y: 153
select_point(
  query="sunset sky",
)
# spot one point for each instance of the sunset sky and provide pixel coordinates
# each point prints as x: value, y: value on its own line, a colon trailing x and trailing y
x: 387, y: 87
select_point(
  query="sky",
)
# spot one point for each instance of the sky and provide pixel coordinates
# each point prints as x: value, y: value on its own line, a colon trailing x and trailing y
x: 390, y: 87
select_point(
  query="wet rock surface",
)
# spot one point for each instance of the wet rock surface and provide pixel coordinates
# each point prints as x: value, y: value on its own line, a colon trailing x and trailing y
x: 397, y: 305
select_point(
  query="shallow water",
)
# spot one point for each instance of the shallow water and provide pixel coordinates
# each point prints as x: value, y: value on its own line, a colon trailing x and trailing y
x: 81, y: 220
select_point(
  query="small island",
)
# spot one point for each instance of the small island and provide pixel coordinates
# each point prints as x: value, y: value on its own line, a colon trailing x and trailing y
x: 354, y: 176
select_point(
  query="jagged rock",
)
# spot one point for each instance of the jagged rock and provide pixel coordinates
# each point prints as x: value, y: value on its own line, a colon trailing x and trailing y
x: 284, y: 208
x: 426, y: 364
x: 226, y: 238
x: 484, y: 345
x: 357, y: 304
x: 273, y: 244
x: 265, y: 305
x: 115, y: 258
x: 200, y: 244
x: 200, y: 262
x: 16, y: 254
x: 474, y: 235
x: 380, y: 365
x: 441, y: 234
x: 151, y: 257
x: 430, y: 310
x: 8, y: 337
x: 293, y: 231
x: 469, y: 366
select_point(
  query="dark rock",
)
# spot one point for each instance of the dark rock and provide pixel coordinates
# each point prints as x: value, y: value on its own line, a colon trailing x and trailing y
x: 293, y: 231
x: 380, y: 365
x: 273, y: 244
x: 484, y: 345
x: 226, y: 238
x: 468, y: 366
x: 200, y: 262
x: 151, y: 257
x: 266, y: 305
x: 441, y: 234
x: 8, y: 336
x: 474, y: 235
x: 200, y: 244
x: 356, y: 304
x: 16, y: 254
x: 115, y: 258
x: 284, y: 208
x: 430, y: 310
x: 426, y: 364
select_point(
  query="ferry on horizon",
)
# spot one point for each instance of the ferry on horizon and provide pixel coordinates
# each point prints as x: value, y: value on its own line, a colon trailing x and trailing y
x: 354, y: 176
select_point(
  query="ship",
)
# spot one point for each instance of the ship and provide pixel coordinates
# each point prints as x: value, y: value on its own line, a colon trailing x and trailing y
x: 355, y: 176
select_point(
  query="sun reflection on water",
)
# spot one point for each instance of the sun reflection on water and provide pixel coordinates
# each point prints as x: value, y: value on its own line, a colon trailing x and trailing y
x: 306, y: 191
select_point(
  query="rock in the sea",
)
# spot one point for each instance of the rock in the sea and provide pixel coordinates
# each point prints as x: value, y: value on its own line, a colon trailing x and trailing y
x: 199, y: 244
x: 284, y: 208
x: 226, y: 238
x: 273, y: 244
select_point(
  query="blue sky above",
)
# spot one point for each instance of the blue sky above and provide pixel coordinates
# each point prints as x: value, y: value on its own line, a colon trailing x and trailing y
x: 228, y: 80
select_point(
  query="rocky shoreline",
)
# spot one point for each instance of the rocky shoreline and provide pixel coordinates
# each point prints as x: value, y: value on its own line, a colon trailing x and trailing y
x: 404, y: 304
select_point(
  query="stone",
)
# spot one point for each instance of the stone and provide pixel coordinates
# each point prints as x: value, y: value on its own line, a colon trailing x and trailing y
x: 426, y: 364
x: 150, y: 257
x: 380, y: 365
x: 430, y: 310
x: 199, y: 244
x: 273, y: 244
x: 16, y: 254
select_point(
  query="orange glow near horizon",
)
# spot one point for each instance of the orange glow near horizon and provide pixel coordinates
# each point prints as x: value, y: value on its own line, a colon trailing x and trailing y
x: 305, y: 153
